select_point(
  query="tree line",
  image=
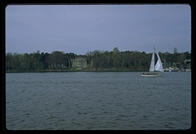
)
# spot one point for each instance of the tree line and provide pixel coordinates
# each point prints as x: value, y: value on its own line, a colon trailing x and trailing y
x: 38, y: 61
x: 114, y: 60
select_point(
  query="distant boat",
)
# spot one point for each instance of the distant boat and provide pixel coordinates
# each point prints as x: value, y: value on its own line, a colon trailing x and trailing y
x: 154, y: 70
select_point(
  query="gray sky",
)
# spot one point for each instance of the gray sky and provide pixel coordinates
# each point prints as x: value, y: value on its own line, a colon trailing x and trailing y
x: 83, y: 28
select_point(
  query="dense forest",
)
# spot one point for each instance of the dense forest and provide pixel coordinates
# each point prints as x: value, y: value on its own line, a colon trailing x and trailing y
x: 92, y: 61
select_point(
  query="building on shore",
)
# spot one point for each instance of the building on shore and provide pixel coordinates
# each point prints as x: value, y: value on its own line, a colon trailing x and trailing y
x: 187, y: 63
x: 186, y: 67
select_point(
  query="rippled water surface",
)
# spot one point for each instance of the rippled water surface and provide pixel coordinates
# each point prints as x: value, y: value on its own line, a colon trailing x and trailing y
x: 97, y: 101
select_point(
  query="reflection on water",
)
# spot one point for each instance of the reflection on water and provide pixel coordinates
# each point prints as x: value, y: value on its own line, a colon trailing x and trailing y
x: 93, y: 101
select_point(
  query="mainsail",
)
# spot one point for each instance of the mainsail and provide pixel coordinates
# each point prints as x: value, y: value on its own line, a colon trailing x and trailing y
x: 152, y: 63
x: 158, y: 66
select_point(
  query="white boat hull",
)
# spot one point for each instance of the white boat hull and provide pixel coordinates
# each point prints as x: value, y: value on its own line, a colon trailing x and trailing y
x: 150, y: 74
x: 143, y: 75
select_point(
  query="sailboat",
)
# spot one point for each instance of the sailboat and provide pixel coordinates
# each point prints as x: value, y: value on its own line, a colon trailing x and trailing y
x: 155, y: 69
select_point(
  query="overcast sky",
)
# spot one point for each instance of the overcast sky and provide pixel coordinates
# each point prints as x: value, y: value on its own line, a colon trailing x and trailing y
x: 83, y: 28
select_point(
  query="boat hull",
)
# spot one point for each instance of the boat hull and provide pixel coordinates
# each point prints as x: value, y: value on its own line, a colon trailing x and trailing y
x: 150, y: 74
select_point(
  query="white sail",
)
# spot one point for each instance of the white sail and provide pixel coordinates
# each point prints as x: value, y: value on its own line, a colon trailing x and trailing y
x: 159, y: 66
x: 152, y: 63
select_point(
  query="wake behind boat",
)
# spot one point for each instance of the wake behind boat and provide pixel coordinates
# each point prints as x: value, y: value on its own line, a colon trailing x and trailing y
x: 155, y: 70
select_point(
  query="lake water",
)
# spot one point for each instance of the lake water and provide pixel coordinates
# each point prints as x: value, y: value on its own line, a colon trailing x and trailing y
x: 98, y: 101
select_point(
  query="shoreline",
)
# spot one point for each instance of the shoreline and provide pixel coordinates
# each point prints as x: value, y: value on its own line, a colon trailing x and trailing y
x: 82, y: 71
x: 69, y: 71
